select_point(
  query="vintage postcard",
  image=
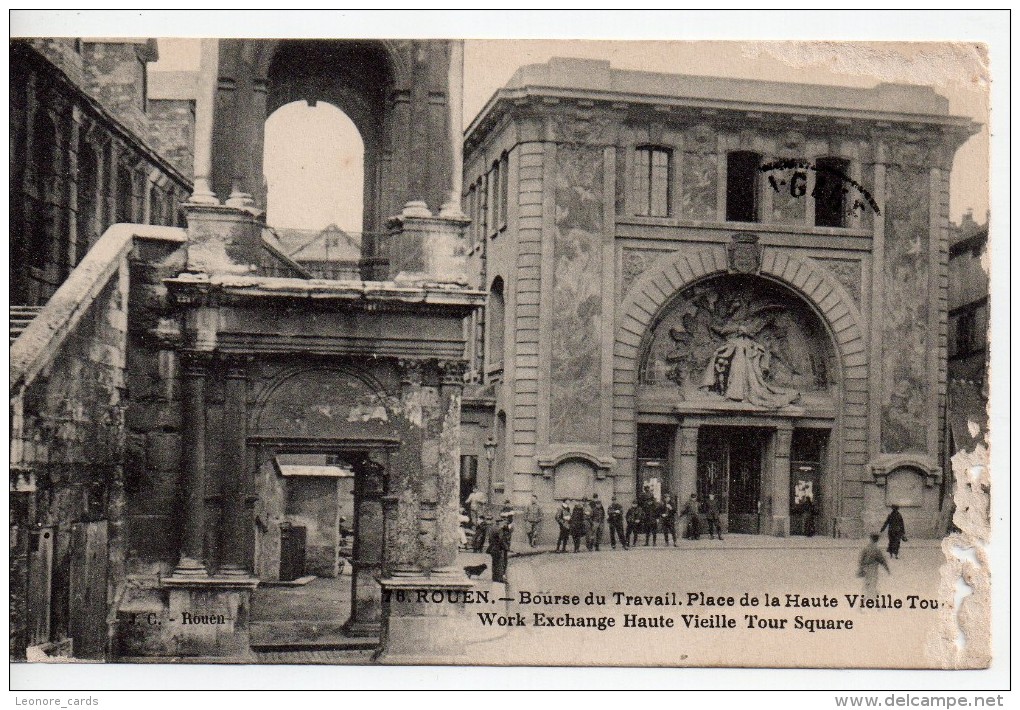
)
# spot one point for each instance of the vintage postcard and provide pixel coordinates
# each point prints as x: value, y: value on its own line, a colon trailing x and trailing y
x: 332, y: 350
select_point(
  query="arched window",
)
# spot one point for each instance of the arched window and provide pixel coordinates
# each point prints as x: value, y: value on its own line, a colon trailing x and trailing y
x: 156, y: 208
x: 504, y: 190
x: 314, y: 166
x: 651, y: 186
x: 88, y: 198
x: 44, y: 156
x: 495, y: 326
x: 125, y: 195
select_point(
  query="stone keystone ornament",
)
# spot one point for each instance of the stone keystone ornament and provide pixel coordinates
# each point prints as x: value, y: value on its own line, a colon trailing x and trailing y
x: 744, y: 254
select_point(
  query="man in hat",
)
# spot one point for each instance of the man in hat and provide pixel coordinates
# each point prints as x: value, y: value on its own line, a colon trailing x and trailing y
x: 563, y: 521
x: 691, y: 512
x: 481, y: 532
x: 532, y: 520
x: 615, y: 517
x: 598, y: 519
x: 499, y: 546
x: 634, y: 523
x: 476, y: 502
x: 577, y: 524
x: 712, y: 517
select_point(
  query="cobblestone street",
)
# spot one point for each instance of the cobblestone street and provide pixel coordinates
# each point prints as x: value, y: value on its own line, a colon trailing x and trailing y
x: 812, y: 568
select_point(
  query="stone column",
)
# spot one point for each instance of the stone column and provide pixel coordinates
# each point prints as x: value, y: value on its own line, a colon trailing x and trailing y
x: 423, y: 587
x: 780, y: 512
x: 235, y: 529
x: 205, y: 104
x: 194, y: 370
x: 685, y: 461
x: 366, y: 594
x: 455, y: 104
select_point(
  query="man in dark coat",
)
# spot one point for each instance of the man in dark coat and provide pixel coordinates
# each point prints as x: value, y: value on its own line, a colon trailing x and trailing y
x: 598, y: 519
x: 650, y: 515
x: 615, y: 517
x: 499, y: 547
x: 693, y: 519
x: 563, y: 521
x: 667, y: 519
x: 897, y: 531
x: 481, y: 532
x: 634, y: 523
x: 712, y: 517
x: 577, y: 525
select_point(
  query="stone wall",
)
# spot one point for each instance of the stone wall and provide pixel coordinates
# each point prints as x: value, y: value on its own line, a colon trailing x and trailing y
x: 172, y: 131
x: 68, y: 428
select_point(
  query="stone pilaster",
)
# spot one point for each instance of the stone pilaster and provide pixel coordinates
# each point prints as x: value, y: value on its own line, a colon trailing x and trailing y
x: 685, y: 466
x: 780, y: 490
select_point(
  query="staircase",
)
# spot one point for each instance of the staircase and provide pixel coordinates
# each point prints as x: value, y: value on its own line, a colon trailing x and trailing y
x: 21, y: 316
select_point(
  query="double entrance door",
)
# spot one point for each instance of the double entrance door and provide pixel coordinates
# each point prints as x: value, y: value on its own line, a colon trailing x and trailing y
x: 730, y: 463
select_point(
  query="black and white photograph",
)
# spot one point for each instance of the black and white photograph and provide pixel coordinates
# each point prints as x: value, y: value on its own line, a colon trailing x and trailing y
x: 429, y: 350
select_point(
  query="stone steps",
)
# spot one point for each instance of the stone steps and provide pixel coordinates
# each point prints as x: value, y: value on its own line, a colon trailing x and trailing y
x: 291, y: 636
x: 21, y: 316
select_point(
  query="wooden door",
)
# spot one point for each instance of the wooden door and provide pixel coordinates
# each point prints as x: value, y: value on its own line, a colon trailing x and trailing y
x: 88, y: 608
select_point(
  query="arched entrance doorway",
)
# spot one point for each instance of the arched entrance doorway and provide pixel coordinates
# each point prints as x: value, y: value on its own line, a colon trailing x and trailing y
x: 739, y: 389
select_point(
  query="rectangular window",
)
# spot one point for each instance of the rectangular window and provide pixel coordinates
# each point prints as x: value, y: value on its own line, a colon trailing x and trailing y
x: 504, y: 188
x: 651, y: 182
x: 493, y: 190
x: 966, y: 333
x: 830, y: 188
x: 742, y: 186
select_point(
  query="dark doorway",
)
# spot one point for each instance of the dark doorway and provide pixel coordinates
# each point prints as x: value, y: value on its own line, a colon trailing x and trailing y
x: 730, y: 466
x: 654, y: 469
x: 807, y: 453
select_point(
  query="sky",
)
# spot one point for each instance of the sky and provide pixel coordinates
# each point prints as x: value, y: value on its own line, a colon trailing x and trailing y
x: 316, y: 141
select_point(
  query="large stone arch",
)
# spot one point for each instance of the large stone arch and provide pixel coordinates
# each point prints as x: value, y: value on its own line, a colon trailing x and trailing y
x: 671, y: 273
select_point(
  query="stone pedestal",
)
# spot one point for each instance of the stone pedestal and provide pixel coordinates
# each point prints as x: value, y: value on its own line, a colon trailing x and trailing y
x: 223, y: 239
x: 424, y: 619
x: 208, y: 617
x: 424, y: 248
x: 366, y: 595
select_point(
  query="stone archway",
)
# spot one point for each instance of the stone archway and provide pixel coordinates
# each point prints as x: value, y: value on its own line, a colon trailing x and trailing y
x: 808, y: 279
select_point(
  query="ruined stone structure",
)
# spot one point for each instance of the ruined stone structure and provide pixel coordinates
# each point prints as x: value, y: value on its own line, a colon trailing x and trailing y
x: 218, y: 360
x: 714, y: 286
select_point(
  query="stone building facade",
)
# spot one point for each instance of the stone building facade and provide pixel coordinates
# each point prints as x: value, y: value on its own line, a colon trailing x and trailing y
x: 713, y: 286
x: 216, y: 362
x: 84, y: 154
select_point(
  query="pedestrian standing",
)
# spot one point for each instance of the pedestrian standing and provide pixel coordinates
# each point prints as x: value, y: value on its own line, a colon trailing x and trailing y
x: 650, y: 516
x: 563, y: 521
x: 481, y: 532
x: 712, y: 517
x: 634, y: 523
x: 589, y: 525
x: 476, y: 502
x: 533, y: 519
x: 667, y: 519
x: 598, y: 520
x: 691, y: 512
x: 897, y: 531
x: 871, y: 559
x: 615, y: 518
x: 499, y: 547
x: 577, y: 525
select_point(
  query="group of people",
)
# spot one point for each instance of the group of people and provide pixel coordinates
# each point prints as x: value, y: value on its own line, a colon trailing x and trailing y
x: 586, y: 522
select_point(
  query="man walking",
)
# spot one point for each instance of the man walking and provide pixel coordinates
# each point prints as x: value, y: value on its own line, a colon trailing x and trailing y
x: 533, y: 519
x: 712, y: 517
x: 897, y: 531
x: 598, y: 519
x: 871, y: 559
x: 615, y: 516
x: 634, y: 522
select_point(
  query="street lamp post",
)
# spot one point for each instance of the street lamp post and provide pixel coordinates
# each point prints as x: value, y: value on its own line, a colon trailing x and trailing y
x: 490, y: 457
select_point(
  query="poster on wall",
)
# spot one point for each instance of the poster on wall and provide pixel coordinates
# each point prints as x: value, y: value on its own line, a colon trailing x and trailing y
x: 341, y: 347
